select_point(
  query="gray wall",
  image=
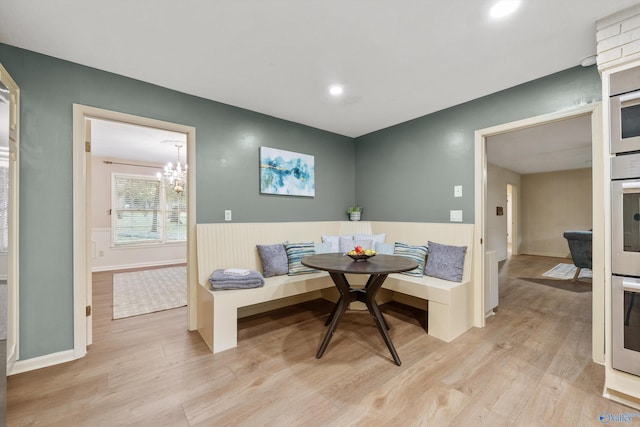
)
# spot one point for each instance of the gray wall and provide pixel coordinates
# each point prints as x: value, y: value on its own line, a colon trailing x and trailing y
x: 407, y: 172
x: 227, y: 174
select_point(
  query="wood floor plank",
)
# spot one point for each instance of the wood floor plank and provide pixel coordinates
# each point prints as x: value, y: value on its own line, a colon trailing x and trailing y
x: 262, y: 396
x: 554, y: 402
x: 531, y: 365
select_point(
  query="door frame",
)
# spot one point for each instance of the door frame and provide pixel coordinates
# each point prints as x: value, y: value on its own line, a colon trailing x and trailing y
x: 82, y: 224
x: 598, y: 179
x: 13, y: 256
x: 513, y: 216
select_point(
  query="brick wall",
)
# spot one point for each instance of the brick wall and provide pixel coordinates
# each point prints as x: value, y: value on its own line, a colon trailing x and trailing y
x: 618, y: 38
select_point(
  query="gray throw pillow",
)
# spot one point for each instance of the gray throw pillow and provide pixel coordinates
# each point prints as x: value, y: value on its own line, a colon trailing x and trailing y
x: 274, y: 259
x: 445, y: 262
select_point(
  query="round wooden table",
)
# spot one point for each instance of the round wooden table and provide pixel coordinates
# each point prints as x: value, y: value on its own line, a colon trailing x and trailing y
x: 378, y: 268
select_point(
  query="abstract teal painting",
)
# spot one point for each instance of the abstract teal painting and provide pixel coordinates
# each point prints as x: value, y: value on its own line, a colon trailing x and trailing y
x: 286, y: 173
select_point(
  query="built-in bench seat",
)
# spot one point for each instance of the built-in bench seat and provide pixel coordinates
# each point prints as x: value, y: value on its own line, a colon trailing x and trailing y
x: 225, y: 245
x: 449, y: 304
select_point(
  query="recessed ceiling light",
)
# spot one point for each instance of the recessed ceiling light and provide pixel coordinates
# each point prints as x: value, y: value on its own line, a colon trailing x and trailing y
x: 503, y: 8
x: 336, y: 90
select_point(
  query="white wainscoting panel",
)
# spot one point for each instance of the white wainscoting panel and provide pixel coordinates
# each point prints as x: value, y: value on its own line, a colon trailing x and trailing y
x: 135, y: 256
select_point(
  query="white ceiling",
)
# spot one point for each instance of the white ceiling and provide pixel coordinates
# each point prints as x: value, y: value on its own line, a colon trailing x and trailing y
x: 398, y: 60
x: 131, y: 142
x: 549, y: 147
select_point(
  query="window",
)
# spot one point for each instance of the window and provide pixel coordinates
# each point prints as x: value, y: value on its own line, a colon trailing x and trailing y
x: 143, y: 211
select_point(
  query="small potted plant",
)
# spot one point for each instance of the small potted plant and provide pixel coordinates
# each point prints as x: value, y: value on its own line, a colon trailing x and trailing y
x: 354, y: 213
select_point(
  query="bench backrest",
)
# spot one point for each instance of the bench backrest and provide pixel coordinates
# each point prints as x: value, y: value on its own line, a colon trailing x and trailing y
x: 419, y: 233
x: 233, y: 245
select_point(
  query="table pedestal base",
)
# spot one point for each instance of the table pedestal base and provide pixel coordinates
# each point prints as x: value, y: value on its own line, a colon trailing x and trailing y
x: 367, y: 296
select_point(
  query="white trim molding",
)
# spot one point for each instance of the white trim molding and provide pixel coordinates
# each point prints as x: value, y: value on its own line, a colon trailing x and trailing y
x: 139, y: 265
x: 82, y: 224
x: 599, y: 238
x: 42, y: 362
x: 13, y: 255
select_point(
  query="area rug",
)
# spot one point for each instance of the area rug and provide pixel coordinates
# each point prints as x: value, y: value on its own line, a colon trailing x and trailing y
x: 567, y: 271
x: 148, y: 291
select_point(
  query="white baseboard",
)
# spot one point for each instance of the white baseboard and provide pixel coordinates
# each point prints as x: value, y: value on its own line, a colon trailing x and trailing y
x: 42, y: 362
x: 138, y: 265
x: 622, y: 398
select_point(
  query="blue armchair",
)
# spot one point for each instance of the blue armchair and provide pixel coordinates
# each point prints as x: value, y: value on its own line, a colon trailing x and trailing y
x: 580, y: 244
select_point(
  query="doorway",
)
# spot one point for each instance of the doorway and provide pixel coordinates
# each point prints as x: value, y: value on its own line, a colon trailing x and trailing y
x: 137, y: 219
x: 83, y: 245
x: 593, y: 114
x: 138, y: 216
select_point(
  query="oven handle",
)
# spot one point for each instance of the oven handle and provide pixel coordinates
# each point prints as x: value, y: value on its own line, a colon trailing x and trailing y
x: 629, y: 97
x: 634, y: 185
x: 631, y: 286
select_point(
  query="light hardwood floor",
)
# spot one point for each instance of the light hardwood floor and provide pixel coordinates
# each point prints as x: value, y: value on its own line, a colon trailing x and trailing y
x: 531, y: 365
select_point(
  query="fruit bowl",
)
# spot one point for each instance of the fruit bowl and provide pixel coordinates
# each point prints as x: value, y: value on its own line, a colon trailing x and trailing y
x: 361, y: 257
x: 359, y: 254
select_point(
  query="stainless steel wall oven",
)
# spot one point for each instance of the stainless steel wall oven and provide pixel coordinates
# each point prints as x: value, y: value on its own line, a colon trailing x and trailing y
x: 626, y: 324
x: 624, y: 104
x: 625, y: 262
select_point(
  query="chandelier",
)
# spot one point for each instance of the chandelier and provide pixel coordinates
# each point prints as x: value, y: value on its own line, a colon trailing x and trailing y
x: 175, y: 177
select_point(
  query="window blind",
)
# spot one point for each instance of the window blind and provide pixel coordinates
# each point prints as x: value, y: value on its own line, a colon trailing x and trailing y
x: 145, y: 211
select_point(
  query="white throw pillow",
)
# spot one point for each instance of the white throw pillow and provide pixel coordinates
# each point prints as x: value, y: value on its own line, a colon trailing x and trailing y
x: 375, y: 238
x: 335, y: 241
x: 347, y: 245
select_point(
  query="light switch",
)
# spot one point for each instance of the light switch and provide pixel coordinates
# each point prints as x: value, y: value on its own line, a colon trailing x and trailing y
x: 455, y: 216
x: 227, y: 215
x: 457, y: 191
